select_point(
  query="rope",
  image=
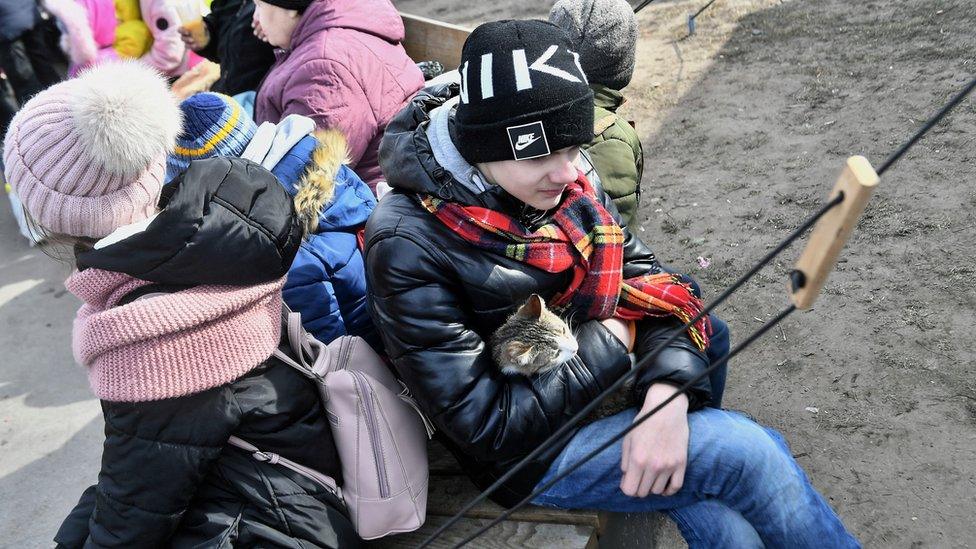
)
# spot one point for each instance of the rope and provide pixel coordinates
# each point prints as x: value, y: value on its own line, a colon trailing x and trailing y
x: 541, y: 489
x: 674, y: 335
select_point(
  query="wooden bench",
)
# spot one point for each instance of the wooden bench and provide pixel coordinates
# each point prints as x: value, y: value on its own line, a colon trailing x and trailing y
x: 531, y: 527
x: 430, y: 40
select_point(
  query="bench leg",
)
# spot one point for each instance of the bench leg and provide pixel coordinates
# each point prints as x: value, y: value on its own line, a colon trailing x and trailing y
x: 594, y: 541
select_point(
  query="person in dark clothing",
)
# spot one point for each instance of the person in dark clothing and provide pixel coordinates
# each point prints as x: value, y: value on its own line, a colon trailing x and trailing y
x: 28, y: 52
x: 181, y: 312
x: 491, y: 204
x: 229, y: 40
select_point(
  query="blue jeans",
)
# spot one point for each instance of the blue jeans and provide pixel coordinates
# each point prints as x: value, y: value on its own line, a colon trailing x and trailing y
x: 742, y: 487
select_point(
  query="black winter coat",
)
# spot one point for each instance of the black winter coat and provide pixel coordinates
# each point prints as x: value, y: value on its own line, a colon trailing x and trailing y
x: 244, y: 59
x: 168, y: 477
x: 437, y: 300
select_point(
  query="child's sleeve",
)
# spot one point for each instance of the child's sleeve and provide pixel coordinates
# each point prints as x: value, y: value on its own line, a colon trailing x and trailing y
x: 155, y: 456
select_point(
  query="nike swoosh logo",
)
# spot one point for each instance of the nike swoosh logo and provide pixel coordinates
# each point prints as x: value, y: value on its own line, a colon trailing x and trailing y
x: 521, y: 146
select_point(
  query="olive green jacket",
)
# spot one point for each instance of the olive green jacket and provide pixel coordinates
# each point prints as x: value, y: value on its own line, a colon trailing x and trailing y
x: 616, y: 152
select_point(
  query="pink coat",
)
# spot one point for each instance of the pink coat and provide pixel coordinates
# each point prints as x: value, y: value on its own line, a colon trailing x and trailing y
x: 346, y: 69
x: 89, y: 30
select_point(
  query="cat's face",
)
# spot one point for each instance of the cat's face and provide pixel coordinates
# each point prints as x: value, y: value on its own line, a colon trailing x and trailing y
x: 536, y: 340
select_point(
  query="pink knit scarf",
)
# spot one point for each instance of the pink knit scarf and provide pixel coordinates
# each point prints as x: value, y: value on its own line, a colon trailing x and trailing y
x: 170, y: 345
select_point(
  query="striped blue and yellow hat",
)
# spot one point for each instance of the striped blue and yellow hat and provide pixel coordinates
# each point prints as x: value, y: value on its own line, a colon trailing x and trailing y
x: 213, y: 125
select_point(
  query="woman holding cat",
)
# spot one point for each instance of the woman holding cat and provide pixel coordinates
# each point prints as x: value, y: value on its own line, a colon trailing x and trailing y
x: 488, y: 208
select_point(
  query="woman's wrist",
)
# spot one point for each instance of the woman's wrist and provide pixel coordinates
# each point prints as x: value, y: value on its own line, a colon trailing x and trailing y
x: 658, y: 392
x: 621, y: 330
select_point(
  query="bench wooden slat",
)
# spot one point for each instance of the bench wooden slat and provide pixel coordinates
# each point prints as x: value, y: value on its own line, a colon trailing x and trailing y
x: 446, y: 497
x: 449, y: 490
x: 507, y: 535
x: 430, y: 40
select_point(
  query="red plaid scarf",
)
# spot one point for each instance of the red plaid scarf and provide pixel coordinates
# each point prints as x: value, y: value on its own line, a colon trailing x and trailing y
x: 584, y: 237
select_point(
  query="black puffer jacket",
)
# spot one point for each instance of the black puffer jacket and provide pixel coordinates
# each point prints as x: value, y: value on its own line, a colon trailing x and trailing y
x: 436, y: 300
x: 168, y: 478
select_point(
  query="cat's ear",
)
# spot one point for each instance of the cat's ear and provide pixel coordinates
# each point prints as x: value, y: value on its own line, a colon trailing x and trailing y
x: 519, y: 353
x: 533, y: 307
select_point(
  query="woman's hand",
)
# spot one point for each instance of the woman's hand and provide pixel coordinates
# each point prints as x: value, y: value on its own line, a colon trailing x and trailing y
x: 655, y: 454
x: 258, y: 31
x: 621, y: 329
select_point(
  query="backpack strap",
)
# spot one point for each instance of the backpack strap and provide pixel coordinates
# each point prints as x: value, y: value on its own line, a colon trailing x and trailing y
x: 297, y: 337
x: 310, y: 356
x: 325, y: 481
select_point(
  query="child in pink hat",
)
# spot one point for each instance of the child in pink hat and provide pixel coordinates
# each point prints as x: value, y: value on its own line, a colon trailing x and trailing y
x: 181, y: 312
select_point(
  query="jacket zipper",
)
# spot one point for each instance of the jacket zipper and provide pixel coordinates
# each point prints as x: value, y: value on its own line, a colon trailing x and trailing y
x: 372, y: 427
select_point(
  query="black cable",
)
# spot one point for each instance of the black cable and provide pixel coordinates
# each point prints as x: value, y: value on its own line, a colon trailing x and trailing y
x: 703, y: 8
x: 582, y: 414
x: 541, y: 489
x: 928, y: 126
x: 643, y: 5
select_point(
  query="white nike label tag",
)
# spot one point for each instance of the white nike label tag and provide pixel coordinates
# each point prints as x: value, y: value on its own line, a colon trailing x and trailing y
x: 525, y: 140
x: 528, y: 140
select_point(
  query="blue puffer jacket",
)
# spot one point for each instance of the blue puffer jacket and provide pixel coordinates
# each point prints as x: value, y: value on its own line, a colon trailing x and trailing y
x: 327, y: 281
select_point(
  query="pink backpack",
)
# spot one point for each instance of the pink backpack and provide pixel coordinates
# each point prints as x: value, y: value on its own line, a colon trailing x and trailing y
x: 379, y: 431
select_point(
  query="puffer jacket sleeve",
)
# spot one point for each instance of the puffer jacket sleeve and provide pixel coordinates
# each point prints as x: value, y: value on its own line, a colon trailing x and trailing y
x: 418, y: 306
x: 311, y: 291
x: 154, y: 456
x: 328, y: 93
x: 681, y: 361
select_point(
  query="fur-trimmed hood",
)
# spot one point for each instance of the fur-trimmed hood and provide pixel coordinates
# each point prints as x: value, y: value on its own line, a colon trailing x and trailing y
x: 330, y: 196
x: 327, y: 280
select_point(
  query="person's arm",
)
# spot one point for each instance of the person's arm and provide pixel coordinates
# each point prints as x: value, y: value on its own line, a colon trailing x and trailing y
x: 655, y: 454
x: 221, y: 13
x: 681, y: 360
x: 310, y: 290
x: 418, y: 306
x: 154, y: 457
x: 614, y: 161
x: 329, y: 94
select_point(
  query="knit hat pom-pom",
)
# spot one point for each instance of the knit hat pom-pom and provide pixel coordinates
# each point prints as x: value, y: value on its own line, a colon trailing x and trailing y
x: 125, y: 116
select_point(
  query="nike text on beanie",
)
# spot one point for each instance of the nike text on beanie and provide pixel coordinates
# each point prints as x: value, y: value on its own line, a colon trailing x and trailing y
x: 523, y: 93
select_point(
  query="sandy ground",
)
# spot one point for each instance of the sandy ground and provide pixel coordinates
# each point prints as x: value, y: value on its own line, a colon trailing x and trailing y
x: 745, y: 127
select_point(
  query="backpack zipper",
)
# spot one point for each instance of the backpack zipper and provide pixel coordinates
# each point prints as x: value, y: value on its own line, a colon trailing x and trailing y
x: 365, y: 397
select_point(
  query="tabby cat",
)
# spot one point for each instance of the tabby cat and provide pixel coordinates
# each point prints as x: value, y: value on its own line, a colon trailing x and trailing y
x: 534, y: 341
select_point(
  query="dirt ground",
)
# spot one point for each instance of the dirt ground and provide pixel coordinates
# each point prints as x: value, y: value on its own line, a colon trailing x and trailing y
x: 745, y: 127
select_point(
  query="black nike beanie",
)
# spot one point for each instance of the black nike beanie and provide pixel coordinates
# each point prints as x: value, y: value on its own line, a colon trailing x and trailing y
x: 523, y: 93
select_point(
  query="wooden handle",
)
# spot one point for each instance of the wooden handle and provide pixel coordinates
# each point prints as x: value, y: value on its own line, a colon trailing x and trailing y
x: 857, y: 181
